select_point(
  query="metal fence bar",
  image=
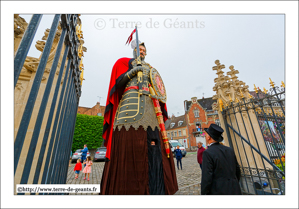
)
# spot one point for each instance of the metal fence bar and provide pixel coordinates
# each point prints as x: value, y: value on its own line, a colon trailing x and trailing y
x: 227, y: 115
x: 246, y: 108
x: 41, y: 112
x: 272, y: 135
x: 72, y: 133
x: 50, y: 148
x: 68, y: 136
x: 57, y: 136
x: 59, y: 115
x: 240, y: 111
x: 20, y: 138
x: 279, y: 100
x: 63, y: 136
x: 25, y: 46
x: 274, y: 166
x: 49, y: 121
x: 234, y: 113
x: 281, y: 135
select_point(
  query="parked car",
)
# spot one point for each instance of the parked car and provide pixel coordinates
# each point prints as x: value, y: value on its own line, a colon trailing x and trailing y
x: 173, y: 144
x: 100, y: 154
x: 77, y: 155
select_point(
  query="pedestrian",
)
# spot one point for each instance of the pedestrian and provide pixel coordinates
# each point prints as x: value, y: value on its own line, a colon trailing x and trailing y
x: 220, y: 169
x: 77, y: 168
x: 178, y: 156
x: 87, y: 169
x: 199, y: 154
x: 84, y: 153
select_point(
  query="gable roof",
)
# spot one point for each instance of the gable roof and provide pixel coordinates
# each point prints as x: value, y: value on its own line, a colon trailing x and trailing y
x: 175, y: 120
x: 206, y: 103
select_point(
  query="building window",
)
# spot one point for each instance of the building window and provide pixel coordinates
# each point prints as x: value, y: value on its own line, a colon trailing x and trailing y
x: 175, y: 134
x: 171, y: 134
x: 171, y: 125
x: 196, y: 113
x: 180, y: 133
x: 168, y: 134
x: 180, y: 123
x: 99, y: 114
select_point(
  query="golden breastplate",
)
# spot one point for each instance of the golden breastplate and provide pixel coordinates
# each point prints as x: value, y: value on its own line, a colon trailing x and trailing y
x: 136, y: 108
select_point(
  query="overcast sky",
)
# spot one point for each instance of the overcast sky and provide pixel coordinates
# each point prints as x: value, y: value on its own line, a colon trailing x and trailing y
x: 183, y: 48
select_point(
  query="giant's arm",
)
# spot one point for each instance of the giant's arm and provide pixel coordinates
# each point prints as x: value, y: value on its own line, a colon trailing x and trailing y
x: 129, y: 75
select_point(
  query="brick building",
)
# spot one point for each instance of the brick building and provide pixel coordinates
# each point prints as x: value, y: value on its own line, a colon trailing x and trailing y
x: 199, y: 115
x: 188, y: 128
x: 95, y: 110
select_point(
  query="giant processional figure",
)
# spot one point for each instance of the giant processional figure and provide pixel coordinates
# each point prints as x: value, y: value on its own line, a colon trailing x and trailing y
x: 138, y: 157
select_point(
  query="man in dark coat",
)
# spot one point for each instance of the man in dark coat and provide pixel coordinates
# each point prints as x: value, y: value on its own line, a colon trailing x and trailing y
x: 220, y: 169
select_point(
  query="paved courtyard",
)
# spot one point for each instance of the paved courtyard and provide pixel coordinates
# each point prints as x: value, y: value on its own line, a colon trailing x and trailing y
x: 188, y: 179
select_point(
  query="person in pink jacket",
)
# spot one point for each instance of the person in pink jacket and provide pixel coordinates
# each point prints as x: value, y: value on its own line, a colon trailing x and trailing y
x: 200, y: 151
x: 87, y: 169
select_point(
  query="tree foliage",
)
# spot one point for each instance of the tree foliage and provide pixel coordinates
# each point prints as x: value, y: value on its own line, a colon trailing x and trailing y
x: 88, y: 130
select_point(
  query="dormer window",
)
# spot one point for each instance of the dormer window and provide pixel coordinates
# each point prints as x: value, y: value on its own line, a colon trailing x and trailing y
x: 171, y: 125
x: 180, y: 123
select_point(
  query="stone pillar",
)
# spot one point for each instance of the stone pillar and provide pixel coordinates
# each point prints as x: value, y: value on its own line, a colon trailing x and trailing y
x: 229, y: 93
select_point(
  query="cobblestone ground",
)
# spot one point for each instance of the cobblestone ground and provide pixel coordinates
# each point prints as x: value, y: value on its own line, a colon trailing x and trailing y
x: 189, y: 177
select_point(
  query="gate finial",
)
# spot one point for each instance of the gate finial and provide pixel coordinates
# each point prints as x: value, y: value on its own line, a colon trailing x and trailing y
x: 282, y: 84
x: 255, y: 89
x: 272, y: 83
x: 250, y: 97
x: 220, y: 104
x: 265, y: 90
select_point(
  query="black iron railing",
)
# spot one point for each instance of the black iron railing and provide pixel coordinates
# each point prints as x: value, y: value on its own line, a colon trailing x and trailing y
x: 269, y: 112
x: 60, y: 121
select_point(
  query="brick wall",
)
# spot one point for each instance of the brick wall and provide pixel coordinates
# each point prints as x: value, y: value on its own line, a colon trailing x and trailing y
x: 93, y: 110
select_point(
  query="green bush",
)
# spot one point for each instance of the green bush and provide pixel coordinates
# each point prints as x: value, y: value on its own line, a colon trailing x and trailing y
x: 88, y: 130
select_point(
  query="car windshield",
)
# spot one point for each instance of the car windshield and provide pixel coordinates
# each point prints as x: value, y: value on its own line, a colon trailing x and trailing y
x: 102, y: 149
x: 174, y: 144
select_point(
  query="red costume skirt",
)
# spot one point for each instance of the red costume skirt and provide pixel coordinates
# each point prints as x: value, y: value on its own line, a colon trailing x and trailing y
x: 136, y: 167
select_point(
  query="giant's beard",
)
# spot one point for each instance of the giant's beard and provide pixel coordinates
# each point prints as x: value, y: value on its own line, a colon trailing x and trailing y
x: 135, y: 55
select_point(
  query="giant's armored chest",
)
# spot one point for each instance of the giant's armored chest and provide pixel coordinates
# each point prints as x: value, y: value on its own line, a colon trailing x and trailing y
x: 134, y: 107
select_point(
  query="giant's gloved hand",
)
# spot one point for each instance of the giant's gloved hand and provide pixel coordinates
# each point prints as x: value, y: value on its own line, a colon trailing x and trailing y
x: 129, y: 75
x: 134, y: 71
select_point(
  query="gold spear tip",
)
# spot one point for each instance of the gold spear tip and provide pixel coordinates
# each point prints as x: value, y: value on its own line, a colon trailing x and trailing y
x: 282, y: 84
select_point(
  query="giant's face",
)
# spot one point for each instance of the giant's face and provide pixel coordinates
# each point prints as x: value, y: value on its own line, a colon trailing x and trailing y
x: 142, y: 51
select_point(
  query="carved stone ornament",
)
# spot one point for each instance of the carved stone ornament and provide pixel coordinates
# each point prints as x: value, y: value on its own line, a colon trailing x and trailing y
x: 20, y: 26
x: 228, y: 88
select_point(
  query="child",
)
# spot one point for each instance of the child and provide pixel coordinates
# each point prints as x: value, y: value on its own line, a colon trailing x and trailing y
x: 77, y: 168
x: 87, y: 169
